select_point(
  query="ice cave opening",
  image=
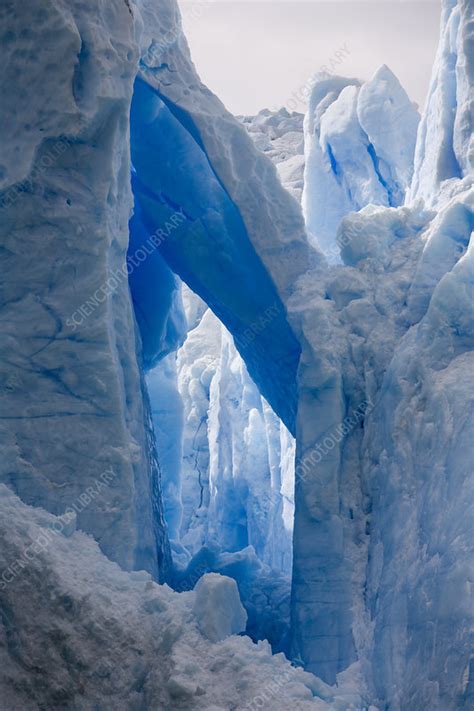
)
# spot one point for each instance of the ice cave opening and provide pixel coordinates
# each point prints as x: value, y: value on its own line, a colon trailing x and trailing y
x: 227, y: 472
x: 226, y: 459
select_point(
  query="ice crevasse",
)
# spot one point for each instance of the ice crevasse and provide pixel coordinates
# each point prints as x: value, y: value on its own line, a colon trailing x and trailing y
x: 365, y: 360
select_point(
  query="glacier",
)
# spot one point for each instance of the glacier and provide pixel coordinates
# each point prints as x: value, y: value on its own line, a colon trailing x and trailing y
x: 352, y: 534
x: 236, y: 430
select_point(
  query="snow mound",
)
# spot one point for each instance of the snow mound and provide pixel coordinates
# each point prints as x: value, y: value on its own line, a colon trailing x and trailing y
x: 104, y: 638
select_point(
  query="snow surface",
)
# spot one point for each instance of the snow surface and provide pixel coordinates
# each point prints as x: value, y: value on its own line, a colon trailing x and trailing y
x: 93, y: 636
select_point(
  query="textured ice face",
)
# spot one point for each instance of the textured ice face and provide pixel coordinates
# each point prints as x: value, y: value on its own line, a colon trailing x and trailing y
x: 359, y: 148
x: 364, y: 530
x: 419, y: 554
x: 445, y: 148
x: 371, y: 556
x: 279, y: 135
x: 74, y: 402
x: 218, y: 608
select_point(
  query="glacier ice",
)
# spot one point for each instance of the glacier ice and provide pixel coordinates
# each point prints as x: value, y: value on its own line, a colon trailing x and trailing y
x: 217, y: 607
x: 264, y: 591
x: 74, y: 395
x: 235, y: 488
x: 167, y: 416
x: 420, y: 559
x: 154, y: 290
x: 373, y: 314
x: 232, y: 483
x: 368, y: 429
x: 279, y: 135
x: 359, y: 146
x: 211, y: 249
x: 445, y: 147
x: 238, y: 212
x: 368, y: 361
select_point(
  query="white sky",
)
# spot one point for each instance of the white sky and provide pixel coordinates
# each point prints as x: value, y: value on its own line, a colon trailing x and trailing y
x: 255, y: 53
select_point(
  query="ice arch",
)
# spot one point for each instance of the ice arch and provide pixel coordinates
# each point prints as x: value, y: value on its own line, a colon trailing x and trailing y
x: 192, y: 220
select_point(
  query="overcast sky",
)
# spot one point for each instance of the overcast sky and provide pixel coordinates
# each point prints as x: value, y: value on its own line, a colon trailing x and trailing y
x: 255, y: 53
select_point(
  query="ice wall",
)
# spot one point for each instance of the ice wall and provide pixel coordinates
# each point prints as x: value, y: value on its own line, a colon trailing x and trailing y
x: 73, y: 403
x: 371, y: 499
x: 330, y: 504
x: 416, y: 464
x: 445, y: 147
x: 383, y: 497
x: 233, y: 466
x: 155, y: 291
x: 359, y: 147
x: 382, y: 530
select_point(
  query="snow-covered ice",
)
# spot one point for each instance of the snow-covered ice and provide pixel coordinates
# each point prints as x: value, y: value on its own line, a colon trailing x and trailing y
x: 90, y: 635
